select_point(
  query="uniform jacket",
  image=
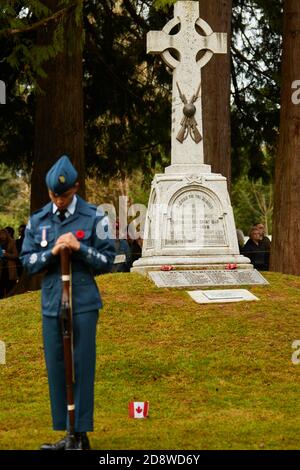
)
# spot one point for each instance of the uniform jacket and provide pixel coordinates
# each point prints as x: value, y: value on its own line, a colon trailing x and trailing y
x: 95, y: 256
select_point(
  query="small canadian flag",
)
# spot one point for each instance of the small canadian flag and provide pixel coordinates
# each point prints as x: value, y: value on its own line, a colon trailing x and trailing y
x: 138, y: 409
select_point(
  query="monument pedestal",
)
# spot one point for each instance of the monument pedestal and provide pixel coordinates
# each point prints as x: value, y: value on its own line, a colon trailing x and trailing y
x: 189, y: 223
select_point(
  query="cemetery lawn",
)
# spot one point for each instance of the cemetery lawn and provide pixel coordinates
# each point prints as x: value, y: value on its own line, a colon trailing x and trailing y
x: 216, y: 377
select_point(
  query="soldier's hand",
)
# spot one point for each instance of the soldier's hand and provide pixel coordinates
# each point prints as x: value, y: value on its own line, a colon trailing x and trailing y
x: 70, y: 240
x: 57, y: 247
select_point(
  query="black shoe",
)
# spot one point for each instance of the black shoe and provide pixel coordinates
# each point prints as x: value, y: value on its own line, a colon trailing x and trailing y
x: 60, y: 445
x: 83, y: 442
x: 71, y: 442
x: 77, y: 441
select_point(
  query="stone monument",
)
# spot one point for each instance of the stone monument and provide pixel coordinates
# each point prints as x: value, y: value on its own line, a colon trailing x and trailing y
x: 189, y: 223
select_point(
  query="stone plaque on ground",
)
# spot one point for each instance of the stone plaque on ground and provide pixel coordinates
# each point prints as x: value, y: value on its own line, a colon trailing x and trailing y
x: 221, y: 296
x: 202, y: 278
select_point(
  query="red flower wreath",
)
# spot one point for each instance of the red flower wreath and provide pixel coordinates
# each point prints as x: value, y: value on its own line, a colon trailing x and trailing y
x: 166, y: 267
x: 231, y: 266
x: 80, y: 234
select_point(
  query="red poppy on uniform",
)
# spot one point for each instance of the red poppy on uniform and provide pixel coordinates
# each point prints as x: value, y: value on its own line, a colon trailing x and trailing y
x: 80, y: 234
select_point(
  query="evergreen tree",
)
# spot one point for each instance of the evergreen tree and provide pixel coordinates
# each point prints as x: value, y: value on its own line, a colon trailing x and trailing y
x: 216, y: 82
x: 256, y: 58
x: 127, y: 92
x: 59, y: 127
x: 285, y: 256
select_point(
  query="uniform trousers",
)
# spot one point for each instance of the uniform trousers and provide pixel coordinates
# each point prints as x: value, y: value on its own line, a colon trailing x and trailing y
x: 84, y: 340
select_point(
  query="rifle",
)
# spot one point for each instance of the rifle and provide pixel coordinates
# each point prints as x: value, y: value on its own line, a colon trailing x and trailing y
x: 188, y: 122
x: 66, y: 315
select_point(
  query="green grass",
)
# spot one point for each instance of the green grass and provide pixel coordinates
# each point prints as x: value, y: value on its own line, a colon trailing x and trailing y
x: 216, y: 377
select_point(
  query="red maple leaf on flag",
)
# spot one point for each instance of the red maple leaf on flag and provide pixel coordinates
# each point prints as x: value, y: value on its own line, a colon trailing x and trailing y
x: 138, y: 409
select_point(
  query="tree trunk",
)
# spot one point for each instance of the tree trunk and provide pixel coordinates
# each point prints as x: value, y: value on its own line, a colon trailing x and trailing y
x: 216, y: 91
x: 285, y: 253
x: 59, y: 127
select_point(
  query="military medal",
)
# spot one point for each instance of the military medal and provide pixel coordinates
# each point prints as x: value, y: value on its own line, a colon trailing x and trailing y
x: 44, y: 242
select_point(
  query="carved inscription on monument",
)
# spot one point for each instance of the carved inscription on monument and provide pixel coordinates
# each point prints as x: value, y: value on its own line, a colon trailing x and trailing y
x: 206, y: 278
x: 194, y: 219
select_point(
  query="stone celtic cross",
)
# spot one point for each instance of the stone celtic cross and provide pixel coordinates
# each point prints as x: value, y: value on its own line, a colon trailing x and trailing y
x: 192, y: 52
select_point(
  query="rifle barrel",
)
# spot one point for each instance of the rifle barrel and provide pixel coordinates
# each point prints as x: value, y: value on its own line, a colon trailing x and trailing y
x: 67, y: 333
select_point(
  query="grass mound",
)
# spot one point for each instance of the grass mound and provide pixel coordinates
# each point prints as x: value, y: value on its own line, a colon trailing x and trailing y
x: 216, y: 377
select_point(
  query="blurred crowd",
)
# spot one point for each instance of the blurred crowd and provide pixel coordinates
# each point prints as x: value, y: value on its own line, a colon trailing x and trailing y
x: 10, y: 264
x: 127, y: 251
x: 257, y: 248
x: 11, y: 269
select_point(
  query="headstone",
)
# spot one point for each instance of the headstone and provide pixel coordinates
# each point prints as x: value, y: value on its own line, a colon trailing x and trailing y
x: 221, y: 296
x: 204, y: 278
x: 189, y: 223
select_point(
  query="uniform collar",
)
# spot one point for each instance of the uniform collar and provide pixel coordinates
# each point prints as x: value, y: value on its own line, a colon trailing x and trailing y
x: 82, y: 207
x: 71, y: 207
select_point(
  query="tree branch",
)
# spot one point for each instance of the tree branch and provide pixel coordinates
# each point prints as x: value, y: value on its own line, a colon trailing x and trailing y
x: 250, y: 63
x: 38, y: 24
x: 237, y: 98
x: 137, y: 18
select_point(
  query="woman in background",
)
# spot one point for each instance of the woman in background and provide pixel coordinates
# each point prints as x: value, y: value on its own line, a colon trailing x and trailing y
x: 9, y: 260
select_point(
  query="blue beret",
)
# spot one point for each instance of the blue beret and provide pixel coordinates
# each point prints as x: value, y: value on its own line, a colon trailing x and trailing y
x: 61, y: 176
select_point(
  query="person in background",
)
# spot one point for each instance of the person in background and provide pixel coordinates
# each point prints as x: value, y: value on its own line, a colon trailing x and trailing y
x: 263, y: 238
x: 123, y: 254
x: 136, y: 247
x: 255, y: 251
x: 19, y: 241
x: 10, y: 231
x: 9, y: 267
x: 265, y: 242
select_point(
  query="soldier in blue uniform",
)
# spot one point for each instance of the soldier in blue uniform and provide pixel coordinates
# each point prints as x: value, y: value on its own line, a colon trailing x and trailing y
x: 69, y: 220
